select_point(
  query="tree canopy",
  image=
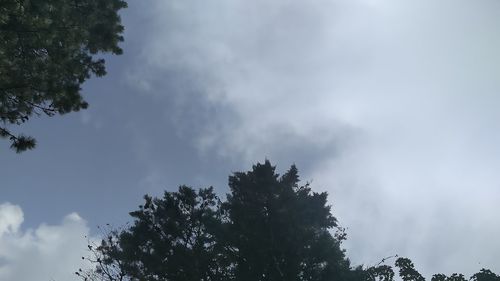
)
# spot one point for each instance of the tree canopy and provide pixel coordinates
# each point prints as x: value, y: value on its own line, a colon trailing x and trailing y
x: 269, y: 228
x: 48, y: 48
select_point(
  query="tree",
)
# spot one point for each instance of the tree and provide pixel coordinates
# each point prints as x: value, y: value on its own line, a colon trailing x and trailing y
x: 407, y: 272
x: 48, y: 49
x: 172, y: 238
x: 269, y: 228
x: 281, y: 229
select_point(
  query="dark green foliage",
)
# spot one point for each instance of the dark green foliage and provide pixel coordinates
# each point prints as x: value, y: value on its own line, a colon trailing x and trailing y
x: 381, y: 273
x: 281, y: 229
x: 482, y: 275
x: 172, y: 238
x: 48, y: 49
x: 438, y: 277
x: 269, y: 228
x: 407, y: 272
x: 485, y: 275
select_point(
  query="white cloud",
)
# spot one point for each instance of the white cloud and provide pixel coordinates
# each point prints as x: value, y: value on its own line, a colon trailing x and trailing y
x: 11, y: 217
x: 49, y: 252
x: 401, y: 97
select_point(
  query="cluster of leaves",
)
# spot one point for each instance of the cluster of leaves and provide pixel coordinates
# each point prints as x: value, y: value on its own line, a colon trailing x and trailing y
x: 48, y: 49
x: 269, y: 228
x: 407, y: 272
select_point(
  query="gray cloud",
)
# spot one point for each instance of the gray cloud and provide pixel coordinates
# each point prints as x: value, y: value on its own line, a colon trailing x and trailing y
x: 391, y: 106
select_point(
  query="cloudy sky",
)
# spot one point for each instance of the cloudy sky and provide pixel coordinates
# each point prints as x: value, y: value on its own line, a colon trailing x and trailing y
x: 391, y: 106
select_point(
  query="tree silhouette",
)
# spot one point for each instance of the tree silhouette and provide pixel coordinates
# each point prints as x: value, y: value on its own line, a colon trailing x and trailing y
x: 281, y: 229
x: 269, y: 228
x: 407, y: 272
x: 48, y: 49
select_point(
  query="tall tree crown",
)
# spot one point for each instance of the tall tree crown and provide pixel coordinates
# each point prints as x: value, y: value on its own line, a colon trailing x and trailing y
x: 280, y: 228
x: 269, y: 228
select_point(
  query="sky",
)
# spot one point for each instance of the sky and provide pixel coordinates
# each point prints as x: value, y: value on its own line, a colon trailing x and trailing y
x: 390, y: 106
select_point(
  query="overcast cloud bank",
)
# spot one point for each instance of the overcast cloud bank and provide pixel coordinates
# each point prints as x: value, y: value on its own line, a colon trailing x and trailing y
x: 390, y: 105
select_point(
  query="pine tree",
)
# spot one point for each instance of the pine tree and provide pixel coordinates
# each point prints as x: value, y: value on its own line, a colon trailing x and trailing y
x: 48, y: 49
